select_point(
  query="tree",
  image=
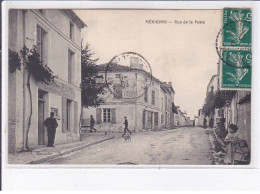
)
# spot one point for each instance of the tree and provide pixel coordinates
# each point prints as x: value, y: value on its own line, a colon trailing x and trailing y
x: 209, y: 105
x: 41, y: 73
x: 90, y: 90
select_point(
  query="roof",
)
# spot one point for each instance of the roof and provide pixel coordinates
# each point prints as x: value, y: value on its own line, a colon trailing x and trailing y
x: 167, y: 87
x: 114, y: 67
x: 75, y: 17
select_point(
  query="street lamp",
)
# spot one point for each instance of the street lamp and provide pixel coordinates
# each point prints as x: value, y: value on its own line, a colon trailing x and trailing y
x: 99, y: 79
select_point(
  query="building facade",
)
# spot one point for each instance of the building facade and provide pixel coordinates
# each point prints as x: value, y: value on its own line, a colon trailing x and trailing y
x: 179, y: 119
x: 148, y: 111
x: 57, y: 36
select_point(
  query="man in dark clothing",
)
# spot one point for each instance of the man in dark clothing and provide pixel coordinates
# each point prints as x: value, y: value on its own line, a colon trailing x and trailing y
x: 126, y: 127
x: 92, y: 123
x: 51, y: 125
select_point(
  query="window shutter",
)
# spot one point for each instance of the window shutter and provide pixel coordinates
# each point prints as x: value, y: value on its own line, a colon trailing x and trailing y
x: 98, y: 114
x: 64, y: 115
x: 113, y: 115
x: 76, y: 126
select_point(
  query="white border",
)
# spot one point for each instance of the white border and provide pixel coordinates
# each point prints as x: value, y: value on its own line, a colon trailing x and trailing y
x: 186, y: 177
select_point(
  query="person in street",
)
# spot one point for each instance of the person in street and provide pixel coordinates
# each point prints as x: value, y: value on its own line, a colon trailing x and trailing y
x: 126, y: 126
x: 51, y: 124
x: 229, y: 140
x: 205, y: 123
x: 92, y: 123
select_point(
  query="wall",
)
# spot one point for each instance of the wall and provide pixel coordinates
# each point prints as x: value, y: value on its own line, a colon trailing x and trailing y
x: 127, y: 110
x: 56, y: 58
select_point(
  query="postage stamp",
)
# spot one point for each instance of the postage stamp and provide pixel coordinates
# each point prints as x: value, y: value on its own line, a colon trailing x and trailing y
x: 236, y: 69
x: 237, y: 27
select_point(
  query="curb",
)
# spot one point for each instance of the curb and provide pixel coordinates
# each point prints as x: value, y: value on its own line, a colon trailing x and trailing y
x: 64, y: 152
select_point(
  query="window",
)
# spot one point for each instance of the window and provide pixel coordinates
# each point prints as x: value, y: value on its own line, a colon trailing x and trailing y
x: 162, y: 103
x: 71, y: 31
x: 153, y: 97
x: 146, y: 94
x: 68, y: 113
x: 56, y: 113
x: 106, y: 115
x: 41, y: 94
x: 166, y: 103
x: 212, y: 88
x: 162, y: 118
x: 40, y: 42
x: 70, y: 65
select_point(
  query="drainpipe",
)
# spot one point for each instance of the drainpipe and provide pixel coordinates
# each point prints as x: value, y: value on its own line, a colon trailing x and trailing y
x: 24, y: 78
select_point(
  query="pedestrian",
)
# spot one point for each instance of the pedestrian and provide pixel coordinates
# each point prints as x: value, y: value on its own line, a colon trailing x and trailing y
x: 126, y: 126
x: 231, y: 137
x: 51, y: 124
x: 92, y: 123
x: 205, y: 123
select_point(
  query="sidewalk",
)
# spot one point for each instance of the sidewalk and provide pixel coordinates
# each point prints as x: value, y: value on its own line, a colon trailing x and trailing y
x: 216, y: 147
x: 43, y: 154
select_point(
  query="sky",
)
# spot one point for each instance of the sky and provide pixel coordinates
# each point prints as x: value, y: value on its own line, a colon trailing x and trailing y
x: 181, y: 53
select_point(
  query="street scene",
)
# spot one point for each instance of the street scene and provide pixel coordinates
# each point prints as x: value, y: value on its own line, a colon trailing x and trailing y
x: 129, y: 87
x: 181, y: 146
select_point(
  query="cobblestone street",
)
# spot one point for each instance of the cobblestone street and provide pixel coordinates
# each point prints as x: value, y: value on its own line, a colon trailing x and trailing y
x: 182, y: 146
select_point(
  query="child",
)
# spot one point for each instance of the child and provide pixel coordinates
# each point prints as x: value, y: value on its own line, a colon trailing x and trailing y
x: 231, y: 137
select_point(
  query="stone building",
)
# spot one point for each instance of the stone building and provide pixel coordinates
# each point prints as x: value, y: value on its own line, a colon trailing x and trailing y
x: 179, y: 119
x: 149, y: 111
x: 57, y: 37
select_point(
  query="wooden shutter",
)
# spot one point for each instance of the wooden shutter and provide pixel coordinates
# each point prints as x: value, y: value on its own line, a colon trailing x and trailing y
x: 64, y: 115
x: 113, y: 110
x: 76, y: 126
x: 98, y: 114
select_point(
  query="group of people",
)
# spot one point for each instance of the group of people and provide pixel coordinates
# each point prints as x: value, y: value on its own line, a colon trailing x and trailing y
x: 51, y: 124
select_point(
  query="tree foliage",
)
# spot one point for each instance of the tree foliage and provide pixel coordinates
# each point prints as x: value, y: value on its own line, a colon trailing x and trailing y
x: 14, y: 61
x: 41, y: 72
x: 216, y: 100
x: 91, y: 91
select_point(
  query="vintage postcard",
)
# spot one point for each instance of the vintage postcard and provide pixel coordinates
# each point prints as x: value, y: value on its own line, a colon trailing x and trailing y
x: 129, y: 87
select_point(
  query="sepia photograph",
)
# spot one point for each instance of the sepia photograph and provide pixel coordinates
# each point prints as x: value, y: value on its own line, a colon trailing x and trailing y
x: 129, y: 87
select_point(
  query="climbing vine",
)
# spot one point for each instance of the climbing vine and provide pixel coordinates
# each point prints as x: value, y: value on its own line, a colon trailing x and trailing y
x: 41, y: 73
x: 14, y: 61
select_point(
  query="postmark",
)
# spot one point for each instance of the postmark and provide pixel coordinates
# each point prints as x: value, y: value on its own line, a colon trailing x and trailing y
x: 128, y: 76
x: 238, y: 31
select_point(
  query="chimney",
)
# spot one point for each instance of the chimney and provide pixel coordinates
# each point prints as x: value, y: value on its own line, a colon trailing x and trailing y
x: 170, y: 83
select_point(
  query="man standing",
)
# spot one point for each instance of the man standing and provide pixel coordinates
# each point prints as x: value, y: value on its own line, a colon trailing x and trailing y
x: 92, y: 123
x: 126, y: 127
x: 51, y: 125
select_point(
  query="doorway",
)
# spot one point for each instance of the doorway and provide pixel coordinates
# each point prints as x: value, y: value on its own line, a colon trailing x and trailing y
x: 41, y: 111
x: 156, y: 120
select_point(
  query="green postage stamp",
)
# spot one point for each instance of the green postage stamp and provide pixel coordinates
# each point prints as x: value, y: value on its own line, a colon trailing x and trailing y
x: 237, y: 27
x: 236, y: 52
x: 236, y: 69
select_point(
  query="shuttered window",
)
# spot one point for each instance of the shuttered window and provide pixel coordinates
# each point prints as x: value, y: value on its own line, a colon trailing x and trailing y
x: 76, y: 118
x: 153, y: 97
x: 64, y: 115
x: 40, y: 41
x: 106, y: 115
x: 146, y: 94
x: 113, y: 110
x: 98, y: 115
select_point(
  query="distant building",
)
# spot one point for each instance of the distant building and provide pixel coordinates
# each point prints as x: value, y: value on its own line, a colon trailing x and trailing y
x: 196, y: 121
x: 56, y: 34
x: 201, y: 117
x: 151, y: 111
x: 179, y: 119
